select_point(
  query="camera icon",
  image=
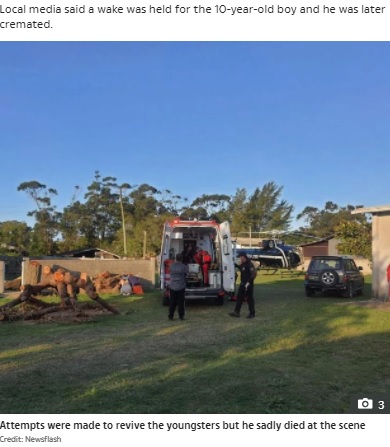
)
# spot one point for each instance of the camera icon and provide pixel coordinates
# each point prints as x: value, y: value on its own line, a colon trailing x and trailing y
x: 365, y: 404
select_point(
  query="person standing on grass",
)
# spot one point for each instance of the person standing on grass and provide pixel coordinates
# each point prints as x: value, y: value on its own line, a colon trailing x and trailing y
x: 245, y: 290
x: 177, y: 287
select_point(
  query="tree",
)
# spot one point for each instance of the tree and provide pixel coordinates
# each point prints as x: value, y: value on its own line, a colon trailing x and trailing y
x: 112, y: 214
x: 150, y: 229
x: 14, y: 237
x: 237, y: 209
x: 46, y: 217
x: 144, y: 202
x: 190, y: 213
x: 266, y: 211
x: 212, y: 206
x: 263, y: 211
x: 170, y: 203
x: 121, y: 193
x: 74, y: 227
x: 356, y: 238
x: 104, y: 213
x: 323, y: 223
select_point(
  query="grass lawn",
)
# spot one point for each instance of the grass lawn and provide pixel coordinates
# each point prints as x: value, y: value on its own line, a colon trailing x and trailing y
x: 299, y: 355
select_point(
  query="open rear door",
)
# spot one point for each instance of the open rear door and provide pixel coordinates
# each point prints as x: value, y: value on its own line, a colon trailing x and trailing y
x: 228, y: 271
x: 165, y: 245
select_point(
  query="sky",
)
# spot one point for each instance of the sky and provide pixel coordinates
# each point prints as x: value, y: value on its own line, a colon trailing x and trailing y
x: 196, y: 118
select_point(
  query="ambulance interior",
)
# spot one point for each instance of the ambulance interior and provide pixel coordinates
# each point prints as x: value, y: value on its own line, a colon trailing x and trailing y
x: 188, y: 241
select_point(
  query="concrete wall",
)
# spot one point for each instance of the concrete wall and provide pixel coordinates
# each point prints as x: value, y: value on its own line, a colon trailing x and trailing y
x: 332, y: 247
x: 144, y: 269
x: 380, y: 254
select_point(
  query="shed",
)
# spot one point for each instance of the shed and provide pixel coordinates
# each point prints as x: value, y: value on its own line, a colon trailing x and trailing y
x: 91, y: 252
x: 323, y: 247
x: 380, y: 248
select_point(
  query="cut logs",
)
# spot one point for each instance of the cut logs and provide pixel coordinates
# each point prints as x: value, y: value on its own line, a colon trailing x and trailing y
x: 67, y: 284
x: 13, y: 284
x: 107, y: 282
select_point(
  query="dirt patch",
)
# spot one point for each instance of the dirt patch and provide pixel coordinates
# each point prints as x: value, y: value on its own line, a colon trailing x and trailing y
x: 88, y: 312
x: 71, y: 316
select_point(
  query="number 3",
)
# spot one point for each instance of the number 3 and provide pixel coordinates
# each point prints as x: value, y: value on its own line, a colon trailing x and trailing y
x: 381, y: 404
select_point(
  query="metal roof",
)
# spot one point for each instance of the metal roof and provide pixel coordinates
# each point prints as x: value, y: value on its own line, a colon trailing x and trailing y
x: 89, y: 250
x: 372, y: 209
x: 319, y: 241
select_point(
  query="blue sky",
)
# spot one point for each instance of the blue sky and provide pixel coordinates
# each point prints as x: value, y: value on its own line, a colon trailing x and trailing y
x: 197, y: 117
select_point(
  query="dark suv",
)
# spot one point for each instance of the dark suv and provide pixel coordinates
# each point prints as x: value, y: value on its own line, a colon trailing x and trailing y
x: 337, y: 274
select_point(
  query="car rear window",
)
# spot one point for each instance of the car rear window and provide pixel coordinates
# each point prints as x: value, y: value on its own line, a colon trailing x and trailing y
x: 321, y: 264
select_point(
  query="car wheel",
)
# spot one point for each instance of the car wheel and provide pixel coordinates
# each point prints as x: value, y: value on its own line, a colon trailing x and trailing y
x: 349, y: 291
x: 310, y: 292
x: 360, y: 290
x: 329, y: 277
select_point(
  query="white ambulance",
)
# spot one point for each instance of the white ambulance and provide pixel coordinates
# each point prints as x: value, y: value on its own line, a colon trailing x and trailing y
x: 191, y: 238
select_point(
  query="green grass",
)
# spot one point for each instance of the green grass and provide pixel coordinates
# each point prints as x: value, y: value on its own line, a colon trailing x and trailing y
x: 299, y: 355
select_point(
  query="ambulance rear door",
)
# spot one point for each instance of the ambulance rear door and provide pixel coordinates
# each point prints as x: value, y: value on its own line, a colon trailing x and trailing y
x: 165, y: 246
x: 227, y: 254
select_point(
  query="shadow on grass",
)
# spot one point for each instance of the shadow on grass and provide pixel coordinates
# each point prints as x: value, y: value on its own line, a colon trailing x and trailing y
x: 298, y: 355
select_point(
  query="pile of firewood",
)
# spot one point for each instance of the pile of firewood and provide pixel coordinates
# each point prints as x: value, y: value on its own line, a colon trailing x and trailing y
x: 66, y: 284
x: 107, y: 282
x: 104, y: 282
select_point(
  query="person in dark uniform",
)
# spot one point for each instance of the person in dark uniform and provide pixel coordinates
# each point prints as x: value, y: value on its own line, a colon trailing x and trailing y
x: 178, y: 272
x: 248, y: 275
